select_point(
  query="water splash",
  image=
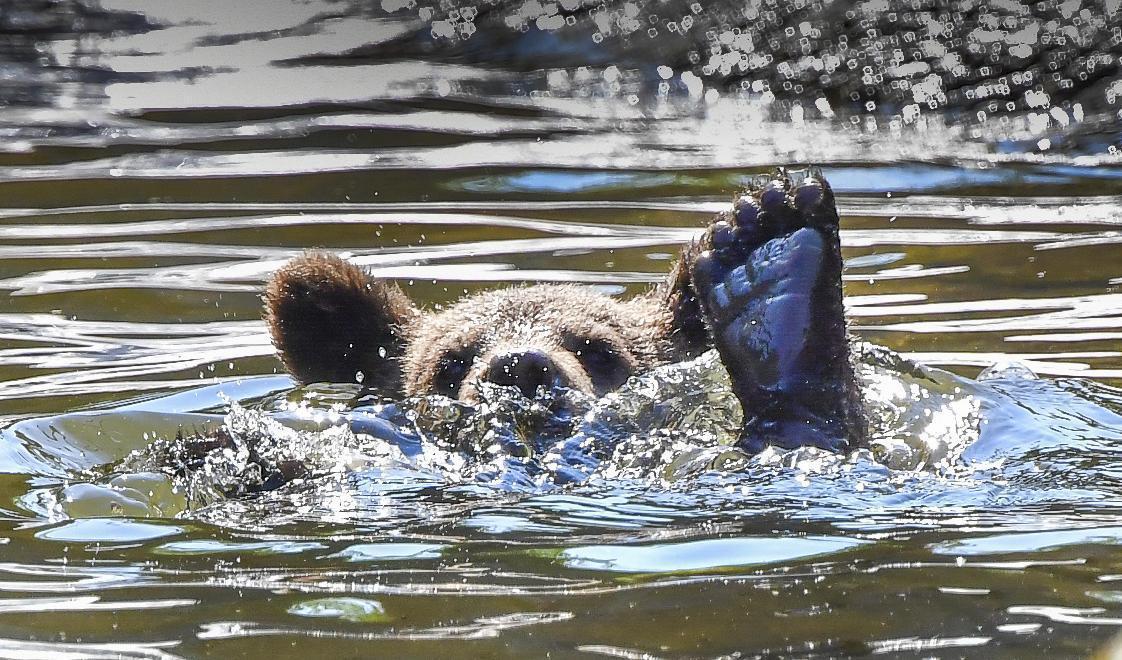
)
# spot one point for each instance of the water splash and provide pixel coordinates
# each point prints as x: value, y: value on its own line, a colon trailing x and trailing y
x: 672, y: 428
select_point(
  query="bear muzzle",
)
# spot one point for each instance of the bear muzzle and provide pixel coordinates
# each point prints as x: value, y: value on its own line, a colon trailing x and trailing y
x: 528, y: 369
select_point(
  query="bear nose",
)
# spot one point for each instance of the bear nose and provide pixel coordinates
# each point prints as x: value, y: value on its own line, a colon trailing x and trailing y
x: 525, y: 370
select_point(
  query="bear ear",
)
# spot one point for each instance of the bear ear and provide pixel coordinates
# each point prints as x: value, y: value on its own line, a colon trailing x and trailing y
x: 688, y: 333
x: 331, y: 322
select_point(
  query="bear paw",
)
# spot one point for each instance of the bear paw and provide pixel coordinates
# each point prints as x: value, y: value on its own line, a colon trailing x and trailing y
x: 769, y: 285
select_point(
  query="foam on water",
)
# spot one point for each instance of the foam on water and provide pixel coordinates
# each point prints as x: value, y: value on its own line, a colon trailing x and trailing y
x: 672, y: 430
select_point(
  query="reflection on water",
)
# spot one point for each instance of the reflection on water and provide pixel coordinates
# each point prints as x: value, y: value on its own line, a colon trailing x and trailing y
x: 159, y: 159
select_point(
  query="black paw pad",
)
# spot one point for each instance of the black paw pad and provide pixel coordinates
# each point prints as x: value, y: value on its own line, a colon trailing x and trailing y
x: 770, y: 290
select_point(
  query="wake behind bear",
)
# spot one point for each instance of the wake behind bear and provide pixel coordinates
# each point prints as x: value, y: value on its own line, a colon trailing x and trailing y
x: 762, y: 286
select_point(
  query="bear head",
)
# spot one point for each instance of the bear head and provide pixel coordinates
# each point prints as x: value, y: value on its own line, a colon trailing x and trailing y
x: 332, y: 322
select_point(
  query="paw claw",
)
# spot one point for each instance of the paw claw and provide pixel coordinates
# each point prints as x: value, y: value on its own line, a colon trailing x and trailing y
x: 746, y: 211
x: 808, y: 195
x: 722, y: 234
x: 773, y: 197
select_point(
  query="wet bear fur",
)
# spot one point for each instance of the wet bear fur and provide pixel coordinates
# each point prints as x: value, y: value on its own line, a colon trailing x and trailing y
x: 332, y: 322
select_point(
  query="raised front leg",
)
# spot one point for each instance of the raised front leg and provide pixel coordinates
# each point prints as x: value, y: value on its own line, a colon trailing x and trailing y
x: 768, y: 280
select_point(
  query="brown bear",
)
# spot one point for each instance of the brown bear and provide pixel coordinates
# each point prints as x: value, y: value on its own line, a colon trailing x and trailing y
x: 762, y: 285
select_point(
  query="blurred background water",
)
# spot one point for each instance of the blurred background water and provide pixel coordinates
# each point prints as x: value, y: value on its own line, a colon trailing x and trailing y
x: 159, y: 159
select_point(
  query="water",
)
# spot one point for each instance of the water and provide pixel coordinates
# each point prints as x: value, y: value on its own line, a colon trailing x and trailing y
x: 159, y: 162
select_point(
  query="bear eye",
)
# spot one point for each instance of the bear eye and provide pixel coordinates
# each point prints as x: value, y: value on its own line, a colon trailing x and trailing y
x: 451, y: 369
x: 605, y: 364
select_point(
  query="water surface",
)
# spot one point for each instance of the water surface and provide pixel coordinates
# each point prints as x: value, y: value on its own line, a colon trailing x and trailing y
x: 158, y: 160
